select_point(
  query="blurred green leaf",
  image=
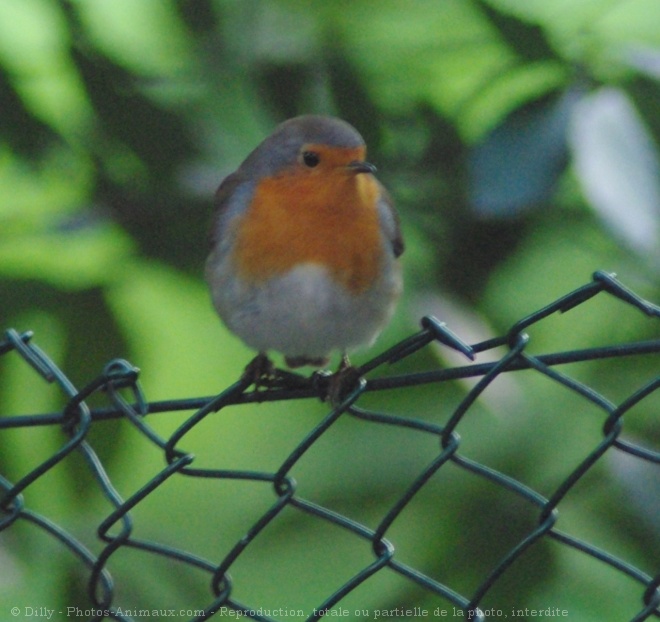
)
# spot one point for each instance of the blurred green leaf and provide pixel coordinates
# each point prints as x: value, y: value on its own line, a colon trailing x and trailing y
x: 34, y: 40
x: 146, y: 37
x: 515, y: 291
x: 26, y: 134
x: 85, y: 257
x: 42, y: 191
x: 163, y: 312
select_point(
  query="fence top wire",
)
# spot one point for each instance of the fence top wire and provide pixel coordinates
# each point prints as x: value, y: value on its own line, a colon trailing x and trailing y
x: 119, y: 381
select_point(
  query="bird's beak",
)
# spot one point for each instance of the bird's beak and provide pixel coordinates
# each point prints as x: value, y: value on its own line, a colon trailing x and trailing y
x: 360, y: 166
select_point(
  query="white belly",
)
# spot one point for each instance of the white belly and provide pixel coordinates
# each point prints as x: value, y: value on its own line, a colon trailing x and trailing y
x: 304, y: 312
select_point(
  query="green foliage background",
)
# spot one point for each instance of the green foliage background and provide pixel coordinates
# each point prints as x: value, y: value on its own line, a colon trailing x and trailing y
x: 519, y: 139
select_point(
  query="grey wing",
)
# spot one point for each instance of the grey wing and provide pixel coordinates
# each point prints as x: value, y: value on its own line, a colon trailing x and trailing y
x: 389, y: 222
x: 230, y: 200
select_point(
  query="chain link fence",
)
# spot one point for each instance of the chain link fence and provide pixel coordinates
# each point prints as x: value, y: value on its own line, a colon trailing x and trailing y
x: 125, y: 400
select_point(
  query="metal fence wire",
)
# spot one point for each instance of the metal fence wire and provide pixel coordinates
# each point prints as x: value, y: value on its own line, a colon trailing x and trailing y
x: 119, y: 382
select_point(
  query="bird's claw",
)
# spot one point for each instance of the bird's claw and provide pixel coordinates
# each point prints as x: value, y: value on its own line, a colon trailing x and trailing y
x: 332, y: 387
x: 340, y: 384
x: 262, y: 373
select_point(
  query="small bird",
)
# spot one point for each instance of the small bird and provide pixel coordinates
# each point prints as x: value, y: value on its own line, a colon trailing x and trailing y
x: 304, y: 246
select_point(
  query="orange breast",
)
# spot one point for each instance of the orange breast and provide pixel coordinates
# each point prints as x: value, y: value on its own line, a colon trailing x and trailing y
x: 328, y: 219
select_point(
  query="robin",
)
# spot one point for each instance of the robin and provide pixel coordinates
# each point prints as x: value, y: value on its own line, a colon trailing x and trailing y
x: 304, y: 246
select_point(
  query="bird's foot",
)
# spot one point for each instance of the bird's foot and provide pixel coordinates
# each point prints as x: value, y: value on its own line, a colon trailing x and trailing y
x: 259, y: 371
x: 262, y: 373
x: 342, y: 382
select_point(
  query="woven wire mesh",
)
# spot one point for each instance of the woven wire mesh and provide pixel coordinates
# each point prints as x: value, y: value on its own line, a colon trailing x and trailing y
x: 119, y: 382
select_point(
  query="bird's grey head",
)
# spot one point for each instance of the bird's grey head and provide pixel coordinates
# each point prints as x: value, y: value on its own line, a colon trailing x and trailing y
x: 281, y: 149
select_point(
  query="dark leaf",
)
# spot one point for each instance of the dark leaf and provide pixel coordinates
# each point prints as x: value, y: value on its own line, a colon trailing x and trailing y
x: 528, y: 40
x: 159, y: 137
x: 518, y: 164
x: 25, y: 133
x: 198, y: 15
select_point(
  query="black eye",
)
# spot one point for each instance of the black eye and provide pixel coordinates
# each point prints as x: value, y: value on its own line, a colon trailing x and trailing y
x: 310, y: 158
